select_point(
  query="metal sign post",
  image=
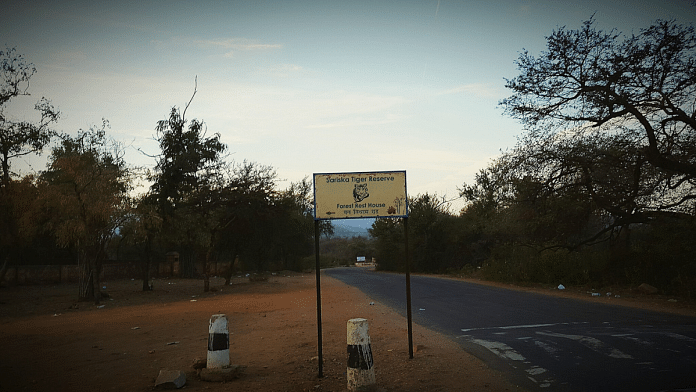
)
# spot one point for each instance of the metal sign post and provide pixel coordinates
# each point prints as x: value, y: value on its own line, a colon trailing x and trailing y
x: 316, y: 251
x: 408, y: 290
x: 360, y: 195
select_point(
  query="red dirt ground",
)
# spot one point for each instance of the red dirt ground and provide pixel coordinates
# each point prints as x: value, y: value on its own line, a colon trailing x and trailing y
x: 51, y: 343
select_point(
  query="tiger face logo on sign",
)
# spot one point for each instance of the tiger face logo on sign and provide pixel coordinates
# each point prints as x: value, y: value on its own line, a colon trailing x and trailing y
x: 360, y: 192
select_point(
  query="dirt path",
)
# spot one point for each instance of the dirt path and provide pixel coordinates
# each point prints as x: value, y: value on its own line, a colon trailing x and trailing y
x: 50, y: 343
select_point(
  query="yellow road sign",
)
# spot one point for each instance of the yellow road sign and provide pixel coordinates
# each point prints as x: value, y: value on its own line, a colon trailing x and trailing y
x: 360, y: 195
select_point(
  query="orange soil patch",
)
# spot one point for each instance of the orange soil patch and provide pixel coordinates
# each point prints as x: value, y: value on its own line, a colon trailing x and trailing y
x: 51, y: 343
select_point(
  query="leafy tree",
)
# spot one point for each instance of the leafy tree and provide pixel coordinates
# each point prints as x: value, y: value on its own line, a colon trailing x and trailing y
x: 251, y: 196
x: 141, y: 228
x: 185, y: 154
x: 187, y: 160
x: 208, y: 206
x: 21, y: 223
x: 436, y: 236
x: 85, y: 188
x: 295, y: 228
x: 389, y: 243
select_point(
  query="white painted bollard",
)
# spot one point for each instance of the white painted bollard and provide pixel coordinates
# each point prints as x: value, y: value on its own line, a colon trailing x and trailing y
x: 361, y: 372
x: 218, y: 343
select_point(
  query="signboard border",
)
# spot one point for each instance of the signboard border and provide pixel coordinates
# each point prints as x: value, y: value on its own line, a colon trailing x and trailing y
x: 314, y: 191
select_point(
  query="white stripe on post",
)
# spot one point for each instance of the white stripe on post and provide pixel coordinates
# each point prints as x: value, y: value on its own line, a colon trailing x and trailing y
x: 360, y: 372
x: 218, y: 343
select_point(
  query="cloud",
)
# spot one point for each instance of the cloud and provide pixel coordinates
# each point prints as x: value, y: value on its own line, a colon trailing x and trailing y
x: 280, y: 70
x: 65, y: 60
x: 477, y: 89
x: 355, y: 123
x: 238, y: 44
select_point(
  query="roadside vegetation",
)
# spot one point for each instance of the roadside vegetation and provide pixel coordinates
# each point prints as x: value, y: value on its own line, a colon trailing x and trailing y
x: 599, y: 190
x: 83, y: 209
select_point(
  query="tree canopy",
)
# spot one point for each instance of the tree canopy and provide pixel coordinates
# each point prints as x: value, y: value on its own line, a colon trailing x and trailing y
x: 643, y: 85
x: 19, y: 138
x: 610, y: 118
x: 186, y: 155
x: 86, y: 189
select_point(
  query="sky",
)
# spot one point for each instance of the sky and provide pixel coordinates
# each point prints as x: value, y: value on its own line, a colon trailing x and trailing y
x: 303, y: 86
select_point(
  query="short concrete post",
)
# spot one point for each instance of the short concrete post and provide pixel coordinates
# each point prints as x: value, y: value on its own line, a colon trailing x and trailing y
x: 361, y: 372
x: 218, y: 343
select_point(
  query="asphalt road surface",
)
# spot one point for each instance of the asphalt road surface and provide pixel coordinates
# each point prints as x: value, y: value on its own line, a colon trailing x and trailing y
x: 543, y: 342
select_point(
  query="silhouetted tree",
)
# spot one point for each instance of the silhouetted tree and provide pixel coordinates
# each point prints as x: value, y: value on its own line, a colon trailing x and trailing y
x: 627, y: 101
x: 17, y: 138
x: 187, y: 158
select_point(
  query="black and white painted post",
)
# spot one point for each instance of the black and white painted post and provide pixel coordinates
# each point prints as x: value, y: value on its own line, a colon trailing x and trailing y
x: 218, y: 343
x: 361, y: 371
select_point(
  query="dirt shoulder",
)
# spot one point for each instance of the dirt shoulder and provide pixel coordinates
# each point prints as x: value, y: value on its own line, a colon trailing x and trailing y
x: 611, y: 295
x: 52, y: 343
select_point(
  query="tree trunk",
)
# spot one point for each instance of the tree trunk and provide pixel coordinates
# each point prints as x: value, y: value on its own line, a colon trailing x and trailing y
x: 96, y: 282
x: 86, y: 285
x: 145, y: 265
x: 206, y: 272
x: 230, y: 271
x: 5, y: 170
x: 3, y: 270
x: 145, y: 270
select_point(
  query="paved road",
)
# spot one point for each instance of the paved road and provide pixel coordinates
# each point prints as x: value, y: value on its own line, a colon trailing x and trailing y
x: 547, y: 343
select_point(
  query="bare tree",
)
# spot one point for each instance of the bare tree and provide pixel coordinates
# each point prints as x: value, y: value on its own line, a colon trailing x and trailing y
x: 19, y: 138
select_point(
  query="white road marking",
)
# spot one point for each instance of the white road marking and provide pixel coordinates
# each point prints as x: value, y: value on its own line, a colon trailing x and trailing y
x: 535, y: 370
x: 591, y: 343
x: 500, y: 349
x: 540, y: 376
x: 549, y: 349
x: 523, y: 326
x: 506, y: 352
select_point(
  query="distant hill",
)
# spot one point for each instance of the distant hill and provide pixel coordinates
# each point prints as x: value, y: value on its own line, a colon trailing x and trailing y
x: 343, y: 231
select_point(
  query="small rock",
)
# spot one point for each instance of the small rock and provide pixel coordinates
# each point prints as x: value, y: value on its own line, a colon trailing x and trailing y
x: 199, y: 363
x: 647, y: 289
x: 561, y: 287
x: 170, y: 379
